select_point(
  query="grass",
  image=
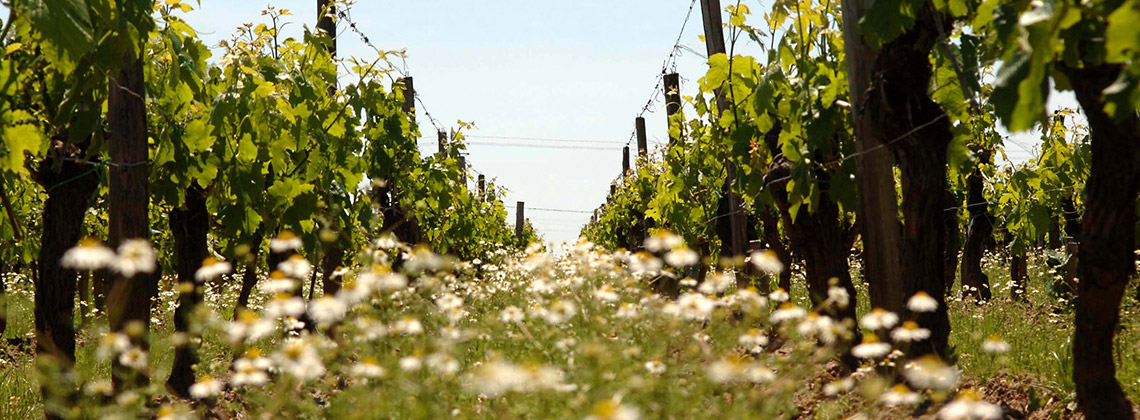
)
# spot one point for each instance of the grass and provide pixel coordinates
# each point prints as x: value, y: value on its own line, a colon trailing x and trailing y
x: 1039, y: 331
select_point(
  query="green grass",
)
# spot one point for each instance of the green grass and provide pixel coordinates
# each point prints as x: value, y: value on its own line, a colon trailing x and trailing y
x: 1038, y: 330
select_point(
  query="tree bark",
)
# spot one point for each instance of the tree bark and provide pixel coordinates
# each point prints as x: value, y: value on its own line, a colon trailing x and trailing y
x: 775, y: 243
x: 333, y: 259
x: 1106, y: 260
x: 69, y: 190
x: 820, y: 238
x: 917, y: 131
x: 128, y: 212
x: 1018, y: 276
x: 974, y: 281
x: 249, y: 276
x: 953, y: 241
x: 190, y: 225
x: 69, y: 186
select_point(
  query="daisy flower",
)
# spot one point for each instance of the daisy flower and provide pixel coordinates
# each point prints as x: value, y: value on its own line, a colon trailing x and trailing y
x: 285, y: 242
x: 922, y: 302
x: 871, y: 348
x: 767, y: 261
x: 206, y: 387
x: 212, y: 269
x: 88, y: 255
x: 910, y: 331
x: 994, y: 344
x: 135, y: 256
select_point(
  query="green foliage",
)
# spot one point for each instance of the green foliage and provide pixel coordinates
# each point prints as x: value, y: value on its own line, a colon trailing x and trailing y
x: 1032, y: 197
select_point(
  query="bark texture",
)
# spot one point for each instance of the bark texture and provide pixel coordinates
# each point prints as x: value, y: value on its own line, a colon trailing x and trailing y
x: 249, y: 275
x: 975, y: 282
x: 917, y: 131
x: 69, y: 189
x: 128, y: 212
x: 1106, y: 260
x: 190, y: 225
x: 775, y: 242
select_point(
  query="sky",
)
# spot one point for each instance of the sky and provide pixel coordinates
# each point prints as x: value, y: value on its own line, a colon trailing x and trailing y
x: 568, y: 70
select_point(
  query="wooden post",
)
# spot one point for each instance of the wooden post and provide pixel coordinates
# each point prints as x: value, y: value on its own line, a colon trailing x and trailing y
x: 442, y: 141
x: 519, y: 208
x: 714, y: 40
x: 642, y: 142
x: 409, y: 96
x: 613, y: 189
x: 624, y: 160
x: 325, y: 22
x: 714, y: 44
x: 672, y: 103
x: 878, y: 202
x: 462, y: 161
x: 482, y: 188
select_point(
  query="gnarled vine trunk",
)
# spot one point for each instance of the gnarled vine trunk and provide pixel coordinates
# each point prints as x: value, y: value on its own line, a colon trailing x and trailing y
x: 917, y: 131
x: 1108, y: 231
x: 975, y: 282
x: 69, y: 186
x: 1018, y: 275
x: 68, y: 191
x: 128, y: 215
x: 953, y: 242
x: 333, y: 259
x: 773, y: 240
x: 249, y: 275
x: 190, y: 225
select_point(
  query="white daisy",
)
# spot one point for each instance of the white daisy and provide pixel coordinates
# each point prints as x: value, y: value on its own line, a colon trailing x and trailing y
x: 922, y: 302
x: 212, y: 269
x: 786, y: 312
x: 206, y: 387
x: 285, y: 242
x: 296, y: 267
x: 682, y: 257
x: 135, y: 256
x: 871, y: 348
x: 910, y: 331
x: 994, y: 344
x: 767, y: 261
x: 879, y: 318
x: 88, y: 255
x: 327, y: 310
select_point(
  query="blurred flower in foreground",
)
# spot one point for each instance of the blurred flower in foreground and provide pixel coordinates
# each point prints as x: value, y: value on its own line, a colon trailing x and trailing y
x: 910, y: 331
x: 135, y: 256
x: 767, y: 261
x: 930, y: 372
x: 286, y: 241
x: 613, y: 409
x: 88, y: 255
x: 212, y: 269
x: 879, y: 318
x: 207, y: 387
x: 922, y: 302
x: 900, y: 395
x: 994, y: 344
x: 968, y: 406
x: 871, y: 348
